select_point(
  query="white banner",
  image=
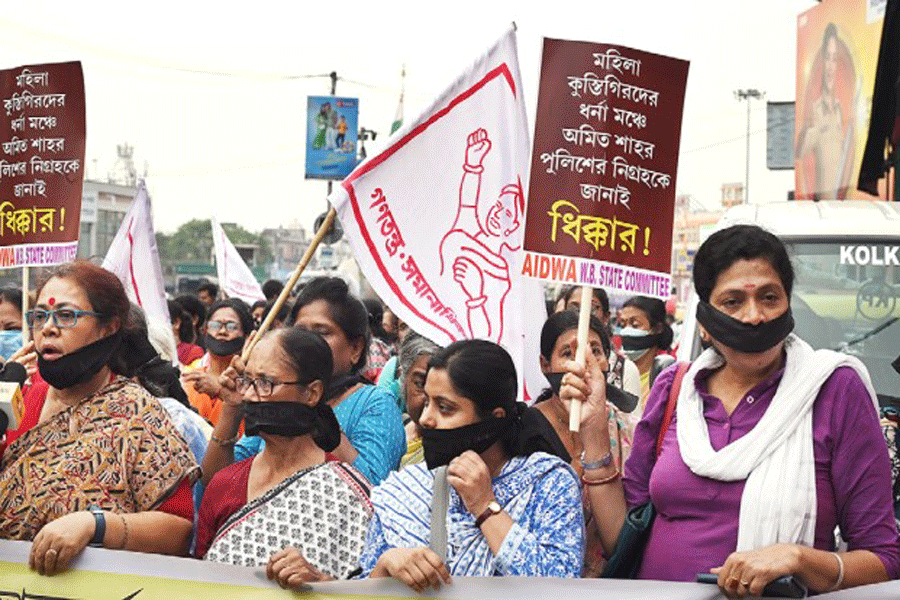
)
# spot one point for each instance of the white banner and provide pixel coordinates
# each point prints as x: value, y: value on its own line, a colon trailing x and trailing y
x: 436, y: 220
x: 134, y: 258
x: 235, y: 277
x: 102, y: 574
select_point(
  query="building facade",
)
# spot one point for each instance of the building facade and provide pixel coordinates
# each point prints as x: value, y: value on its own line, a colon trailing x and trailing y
x: 103, y: 207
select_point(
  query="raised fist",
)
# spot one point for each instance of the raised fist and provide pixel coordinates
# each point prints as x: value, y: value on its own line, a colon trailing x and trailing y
x: 478, y: 147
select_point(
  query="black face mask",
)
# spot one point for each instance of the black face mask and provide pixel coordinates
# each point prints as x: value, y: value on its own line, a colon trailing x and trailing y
x: 224, y: 347
x: 555, y: 379
x: 741, y: 336
x: 77, y: 367
x: 290, y: 419
x: 640, y: 342
x: 440, y: 446
x: 620, y: 398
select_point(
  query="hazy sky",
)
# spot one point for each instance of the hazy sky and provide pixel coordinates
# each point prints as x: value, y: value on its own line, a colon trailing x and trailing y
x: 213, y: 98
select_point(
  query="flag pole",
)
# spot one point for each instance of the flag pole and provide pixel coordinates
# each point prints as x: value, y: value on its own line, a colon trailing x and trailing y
x: 282, y: 297
x: 25, y: 328
x: 584, y: 319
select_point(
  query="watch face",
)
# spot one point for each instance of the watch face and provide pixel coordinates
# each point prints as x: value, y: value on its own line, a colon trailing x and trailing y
x: 495, y: 507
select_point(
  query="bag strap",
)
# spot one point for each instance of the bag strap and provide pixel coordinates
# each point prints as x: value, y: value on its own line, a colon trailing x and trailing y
x: 670, y: 404
x: 440, y: 500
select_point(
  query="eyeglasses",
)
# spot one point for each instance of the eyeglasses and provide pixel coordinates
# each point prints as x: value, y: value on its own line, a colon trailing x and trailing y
x: 63, y: 318
x: 230, y: 326
x: 262, y: 386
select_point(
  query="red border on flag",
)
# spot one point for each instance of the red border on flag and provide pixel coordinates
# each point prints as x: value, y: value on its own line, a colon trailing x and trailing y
x: 502, y: 70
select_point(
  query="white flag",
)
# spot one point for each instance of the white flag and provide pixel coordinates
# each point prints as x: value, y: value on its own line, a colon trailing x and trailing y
x: 134, y: 259
x: 436, y: 220
x: 235, y: 277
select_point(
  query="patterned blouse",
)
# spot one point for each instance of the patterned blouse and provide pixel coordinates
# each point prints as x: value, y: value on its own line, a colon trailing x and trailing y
x: 117, y: 449
x: 539, y: 492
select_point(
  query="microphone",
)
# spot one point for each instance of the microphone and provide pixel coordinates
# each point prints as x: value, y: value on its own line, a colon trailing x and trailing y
x: 12, y: 406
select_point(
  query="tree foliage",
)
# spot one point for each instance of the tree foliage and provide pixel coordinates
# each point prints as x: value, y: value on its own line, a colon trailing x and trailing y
x: 192, y: 242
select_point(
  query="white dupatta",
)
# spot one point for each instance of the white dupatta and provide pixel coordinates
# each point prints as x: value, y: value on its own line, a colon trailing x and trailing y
x: 776, y: 456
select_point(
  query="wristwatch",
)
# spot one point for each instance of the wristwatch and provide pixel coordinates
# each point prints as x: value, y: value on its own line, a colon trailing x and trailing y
x: 492, y: 509
x: 100, y: 526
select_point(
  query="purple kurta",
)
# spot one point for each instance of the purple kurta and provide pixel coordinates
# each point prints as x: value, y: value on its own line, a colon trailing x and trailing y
x: 696, y: 526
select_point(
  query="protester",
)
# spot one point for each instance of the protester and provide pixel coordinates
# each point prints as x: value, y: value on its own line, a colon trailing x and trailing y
x: 390, y: 324
x: 10, y: 321
x: 415, y: 352
x: 559, y: 344
x: 271, y: 289
x: 622, y: 372
x: 772, y: 445
x: 208, y: 293
x: 645, y: 334
x: 390, y: 376
x: 373, y: 439
x: 322, y: 535
x: 197, y: 311
x: 226, y: 330
x: 379, y: 351
x: 281, y: 317
x: 183, y: 330
x: 559, y: 303
x: 95, y: 460
x: 258, y: 311
x: 509, y: 512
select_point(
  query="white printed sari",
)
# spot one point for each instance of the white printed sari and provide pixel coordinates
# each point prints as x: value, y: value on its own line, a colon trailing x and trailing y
x: 322, y: 511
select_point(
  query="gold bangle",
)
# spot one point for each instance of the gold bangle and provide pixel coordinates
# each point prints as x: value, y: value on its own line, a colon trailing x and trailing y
x: 228, y: 442
x: 125, y: 530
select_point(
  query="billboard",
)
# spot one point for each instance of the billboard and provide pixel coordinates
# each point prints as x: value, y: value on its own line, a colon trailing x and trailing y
x: 837, y: 54
x: 332, y: 124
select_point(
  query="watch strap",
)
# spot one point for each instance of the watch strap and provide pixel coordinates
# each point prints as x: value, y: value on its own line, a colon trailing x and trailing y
x: 99, y: 526
x: 492, y: 509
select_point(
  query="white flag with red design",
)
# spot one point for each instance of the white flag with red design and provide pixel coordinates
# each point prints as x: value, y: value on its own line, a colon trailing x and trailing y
x: 235, y: 277
x: 436, y: 220
x: 134, y: 259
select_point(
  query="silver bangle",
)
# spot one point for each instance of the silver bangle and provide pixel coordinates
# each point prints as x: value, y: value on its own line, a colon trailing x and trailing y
x: 605, y: 461
x: 840, y: 578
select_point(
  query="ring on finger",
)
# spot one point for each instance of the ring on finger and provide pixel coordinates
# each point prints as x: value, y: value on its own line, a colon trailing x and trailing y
x: 745, y: 583
x: 49, y: 550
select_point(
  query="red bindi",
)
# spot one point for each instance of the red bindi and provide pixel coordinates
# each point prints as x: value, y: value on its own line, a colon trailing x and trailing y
x: 51, y: 301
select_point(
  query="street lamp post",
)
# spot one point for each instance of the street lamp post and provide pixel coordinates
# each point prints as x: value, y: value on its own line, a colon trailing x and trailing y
x: 747, y: 95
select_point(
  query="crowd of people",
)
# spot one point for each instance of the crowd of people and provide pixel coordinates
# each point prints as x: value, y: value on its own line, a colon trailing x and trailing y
x: 345, y: 445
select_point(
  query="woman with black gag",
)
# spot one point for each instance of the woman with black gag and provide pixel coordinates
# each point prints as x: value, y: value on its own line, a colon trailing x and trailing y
x: 771, y: 446
x: 96, y: 460
x: 509, y: 511
x: 311, y: 510
x: 227, y: 329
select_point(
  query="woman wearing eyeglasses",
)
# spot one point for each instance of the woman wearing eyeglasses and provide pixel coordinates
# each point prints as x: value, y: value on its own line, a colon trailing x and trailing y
x: 293, y: 507
x: 228, y: 325
x: 96, y: 459
x: 373, y: 439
